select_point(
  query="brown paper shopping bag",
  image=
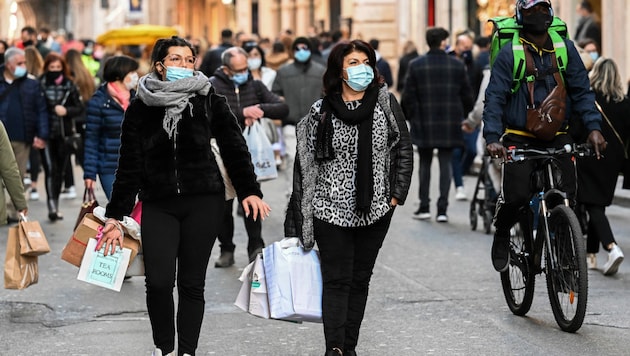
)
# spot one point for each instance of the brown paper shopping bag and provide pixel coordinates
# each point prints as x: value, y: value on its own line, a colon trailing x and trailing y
x: 19, y: 271
x: 32, y: 239
x: 75, y: 248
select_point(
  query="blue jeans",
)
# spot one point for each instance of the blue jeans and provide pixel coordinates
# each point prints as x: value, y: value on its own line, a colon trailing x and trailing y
x: 463, y: 157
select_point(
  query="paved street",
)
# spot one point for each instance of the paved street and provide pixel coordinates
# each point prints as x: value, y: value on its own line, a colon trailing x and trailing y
x: 434, y: 292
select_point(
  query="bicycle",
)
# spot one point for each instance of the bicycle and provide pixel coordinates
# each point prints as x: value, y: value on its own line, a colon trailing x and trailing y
x: 548, y: 228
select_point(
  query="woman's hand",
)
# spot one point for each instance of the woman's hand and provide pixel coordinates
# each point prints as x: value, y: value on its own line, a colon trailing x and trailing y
x: 394, y: 201
x: 112, y: 236
x: 89, y: 183
x: 60, y: 110
x: 256, y: 207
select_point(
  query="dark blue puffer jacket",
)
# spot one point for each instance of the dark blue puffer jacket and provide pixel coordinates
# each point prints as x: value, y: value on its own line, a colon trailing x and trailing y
x: 33, y: 106
x: 102, y: 134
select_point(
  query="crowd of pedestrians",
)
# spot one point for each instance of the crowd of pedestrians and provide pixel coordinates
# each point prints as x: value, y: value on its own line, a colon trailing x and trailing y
x: 341, y: 137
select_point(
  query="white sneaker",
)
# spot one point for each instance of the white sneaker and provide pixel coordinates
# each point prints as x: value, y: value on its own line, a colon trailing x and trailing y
x: 460, y: 194
x: 442, y: 218
x: 70, y: 193
x: 34, y: 195
x: 158, y: 352
x: 615, y: 257
x: 27, y: 181
x: 591, y: 260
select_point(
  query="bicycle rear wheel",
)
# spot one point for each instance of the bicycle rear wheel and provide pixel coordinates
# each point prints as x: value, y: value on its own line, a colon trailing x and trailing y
x: 567, y: 277
x: 519, y: 280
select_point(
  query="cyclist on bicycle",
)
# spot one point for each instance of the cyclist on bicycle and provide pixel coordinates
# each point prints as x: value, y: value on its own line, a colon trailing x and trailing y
x: 505, y: 115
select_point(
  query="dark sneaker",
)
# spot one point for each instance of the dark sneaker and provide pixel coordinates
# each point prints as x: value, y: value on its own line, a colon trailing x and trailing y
x: 500, y: 252
x: 422, y: 214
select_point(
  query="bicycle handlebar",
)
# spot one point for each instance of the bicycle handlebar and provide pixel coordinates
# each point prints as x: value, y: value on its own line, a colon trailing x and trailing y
x: 520, y: 154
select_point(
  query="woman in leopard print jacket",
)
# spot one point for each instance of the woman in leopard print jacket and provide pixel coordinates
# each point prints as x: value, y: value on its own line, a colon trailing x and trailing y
x: 353, y: 167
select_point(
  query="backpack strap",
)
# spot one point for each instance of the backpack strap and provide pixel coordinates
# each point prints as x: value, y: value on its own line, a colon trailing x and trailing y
x: 518, y: 71
x: 560, y: 52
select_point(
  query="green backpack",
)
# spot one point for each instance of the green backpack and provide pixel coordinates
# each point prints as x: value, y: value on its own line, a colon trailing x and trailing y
x: 507, y: 30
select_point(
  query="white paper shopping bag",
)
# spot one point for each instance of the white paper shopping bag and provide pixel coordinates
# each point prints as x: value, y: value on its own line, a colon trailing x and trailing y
x: 242, y: 299
x: 294, y: 281
x: 258, y: 302
x: 104, y: 271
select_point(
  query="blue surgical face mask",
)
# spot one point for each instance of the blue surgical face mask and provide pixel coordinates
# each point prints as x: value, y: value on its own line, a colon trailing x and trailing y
x: 176, y: 73
x: 19, y: 72
x: 594, y: 55
x: 359, y: 77
x: 240, y: 78
x: 302, y: 55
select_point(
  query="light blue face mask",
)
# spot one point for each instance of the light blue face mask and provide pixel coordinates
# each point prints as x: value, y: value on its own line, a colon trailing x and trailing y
x: 176, y: 73
x: 19, y: 72
x: 594, y: 55
x: 302, y: 55
x: 240, y: 78
x: 359, y: 77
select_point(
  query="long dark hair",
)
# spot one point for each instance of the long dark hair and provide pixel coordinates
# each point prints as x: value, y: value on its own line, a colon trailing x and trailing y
x: 160, y: 50
x: 333, y: 77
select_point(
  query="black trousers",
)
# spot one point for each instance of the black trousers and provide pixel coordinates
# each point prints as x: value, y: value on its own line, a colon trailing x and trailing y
x: 177, y: 239
x: 517, y: 186
x: 598, y: 228
x: 347, y: 256
x: 226, y: 233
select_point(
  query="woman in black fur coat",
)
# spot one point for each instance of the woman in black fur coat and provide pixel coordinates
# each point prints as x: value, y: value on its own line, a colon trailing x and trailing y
x: 166, y: 159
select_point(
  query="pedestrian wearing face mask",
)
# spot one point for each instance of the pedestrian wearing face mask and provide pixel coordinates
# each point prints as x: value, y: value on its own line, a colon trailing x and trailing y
x: 249, y: 100
x: 165, y: 159
x: 257, y: 65
x: 353, y: 167
x: 64, y: 105
x: 300, y: 84
x: 22, y: 107
x: 436, y: 98
x: 105, y: 113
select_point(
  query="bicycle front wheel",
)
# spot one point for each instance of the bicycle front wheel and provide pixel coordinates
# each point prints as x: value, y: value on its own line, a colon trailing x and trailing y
x: 518, y: 281
x: 567, y: 278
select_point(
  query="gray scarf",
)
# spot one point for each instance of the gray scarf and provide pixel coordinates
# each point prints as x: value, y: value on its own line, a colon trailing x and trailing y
x: 173, y: 95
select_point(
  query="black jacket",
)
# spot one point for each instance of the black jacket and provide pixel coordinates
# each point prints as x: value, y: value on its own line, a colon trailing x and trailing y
x: 157, y: 167
x: 250, y: 93
x: 399, y: 175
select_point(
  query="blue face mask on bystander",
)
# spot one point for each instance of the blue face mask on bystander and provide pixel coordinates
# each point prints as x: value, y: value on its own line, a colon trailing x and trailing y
x: 19, y: 72
x: 240, y: 78
x: 302, y: 55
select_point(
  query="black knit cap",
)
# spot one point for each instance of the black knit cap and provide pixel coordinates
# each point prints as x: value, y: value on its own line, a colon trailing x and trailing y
x: 302, y: 40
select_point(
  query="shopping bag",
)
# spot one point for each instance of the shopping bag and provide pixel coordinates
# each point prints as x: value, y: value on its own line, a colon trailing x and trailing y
x: 252, y: 297
x: 242, y: 298
x: 32, y: 239
x: 19, y: 271
x: 294, y: 281
x: 75, y: 247
x: 261, y: 151
x: 104, y: 271
x: 230, y: 192
x: 88, y: 205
